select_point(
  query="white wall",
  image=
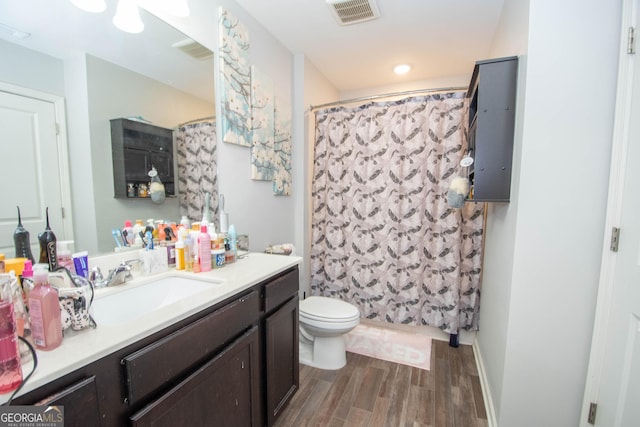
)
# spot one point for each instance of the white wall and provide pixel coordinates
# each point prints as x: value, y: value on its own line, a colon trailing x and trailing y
x: 31, y: 69
x: 543, y: 250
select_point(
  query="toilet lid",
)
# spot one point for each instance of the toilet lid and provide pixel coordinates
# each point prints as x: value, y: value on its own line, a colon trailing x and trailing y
x: 330, y: 309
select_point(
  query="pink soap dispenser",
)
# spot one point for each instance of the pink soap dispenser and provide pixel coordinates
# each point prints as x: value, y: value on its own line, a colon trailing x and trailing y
x: 44, y: 312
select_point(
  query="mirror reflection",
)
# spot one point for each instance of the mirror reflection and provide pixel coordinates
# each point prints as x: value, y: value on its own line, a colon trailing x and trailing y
x: 100, y: 73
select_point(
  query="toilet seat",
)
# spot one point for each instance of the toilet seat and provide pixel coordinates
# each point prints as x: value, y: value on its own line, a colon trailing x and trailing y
x: 323, y: 309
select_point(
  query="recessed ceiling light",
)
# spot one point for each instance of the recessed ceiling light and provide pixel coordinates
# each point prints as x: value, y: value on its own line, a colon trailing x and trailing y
x: 402, y: 69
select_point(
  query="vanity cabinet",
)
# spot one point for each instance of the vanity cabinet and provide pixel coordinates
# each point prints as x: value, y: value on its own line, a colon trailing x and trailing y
x: 492, y: 106
x: 234, y: 363
x: 224, y: 391
x: 281, y: 339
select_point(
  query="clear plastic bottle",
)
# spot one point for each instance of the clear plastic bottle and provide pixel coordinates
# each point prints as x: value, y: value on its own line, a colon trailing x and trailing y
x: 204, y: 249
x: 44, y: 311
x: 10, y: 367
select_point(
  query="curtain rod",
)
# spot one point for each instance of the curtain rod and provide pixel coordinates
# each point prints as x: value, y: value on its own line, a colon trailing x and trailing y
x: 201, y: 119
x: 388, y: 95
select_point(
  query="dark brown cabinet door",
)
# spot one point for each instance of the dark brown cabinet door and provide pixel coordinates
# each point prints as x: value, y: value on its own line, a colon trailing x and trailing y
x: 281, y: 347
x: 224, y: 392
x: 80, y: 402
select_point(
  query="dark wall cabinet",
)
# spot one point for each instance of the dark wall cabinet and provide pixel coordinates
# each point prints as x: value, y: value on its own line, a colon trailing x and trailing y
x: 137, y: 147
x: 234, y: 364
x: 492, y: 106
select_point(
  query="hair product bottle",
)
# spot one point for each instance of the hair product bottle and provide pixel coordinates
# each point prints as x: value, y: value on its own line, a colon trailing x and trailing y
x: 21, y: 240
x: 204, y: 249
x: 10, y: 368
x: 44, y: 311
x: 48, y: 249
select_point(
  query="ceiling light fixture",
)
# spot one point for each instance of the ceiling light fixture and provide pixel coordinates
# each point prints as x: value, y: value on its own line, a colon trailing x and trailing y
x: 93, y: 6
x: 402, y: 69
x: 127, y: 17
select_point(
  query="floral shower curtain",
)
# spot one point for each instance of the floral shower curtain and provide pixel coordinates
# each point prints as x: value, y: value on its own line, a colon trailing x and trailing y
x: 197, y: 168
x: 383, y: 236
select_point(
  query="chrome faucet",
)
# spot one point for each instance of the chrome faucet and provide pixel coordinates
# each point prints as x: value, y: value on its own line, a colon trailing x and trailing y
x: 117, y: 276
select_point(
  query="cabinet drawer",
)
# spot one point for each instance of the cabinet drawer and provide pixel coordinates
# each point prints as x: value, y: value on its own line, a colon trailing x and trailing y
x: 158, y: 364
x: 280, y: 290
x: 224, y: 391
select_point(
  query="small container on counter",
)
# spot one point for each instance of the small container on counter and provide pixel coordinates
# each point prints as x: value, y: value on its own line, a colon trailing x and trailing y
x: 218, y: 258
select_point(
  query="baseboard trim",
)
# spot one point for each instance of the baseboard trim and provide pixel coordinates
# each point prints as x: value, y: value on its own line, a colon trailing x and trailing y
x: 484, y: 384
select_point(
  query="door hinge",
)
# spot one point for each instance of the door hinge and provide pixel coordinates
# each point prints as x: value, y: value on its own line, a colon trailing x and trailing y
x: 631, y: 41
x: 62, y: 212
x: 615, y: 239
x: 57, y: 128
x: 591, y: 418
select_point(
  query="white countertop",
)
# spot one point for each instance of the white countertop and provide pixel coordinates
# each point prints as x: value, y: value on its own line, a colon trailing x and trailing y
x: 80, y: 348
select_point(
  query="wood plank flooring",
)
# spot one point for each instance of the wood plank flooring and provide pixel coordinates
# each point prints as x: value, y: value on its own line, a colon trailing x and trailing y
x: 372, y: 392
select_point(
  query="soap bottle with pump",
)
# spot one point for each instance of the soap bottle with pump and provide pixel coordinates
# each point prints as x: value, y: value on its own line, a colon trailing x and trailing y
x: 44, y: 311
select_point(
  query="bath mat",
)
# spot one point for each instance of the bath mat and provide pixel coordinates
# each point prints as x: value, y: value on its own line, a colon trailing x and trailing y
x: 390, y: 345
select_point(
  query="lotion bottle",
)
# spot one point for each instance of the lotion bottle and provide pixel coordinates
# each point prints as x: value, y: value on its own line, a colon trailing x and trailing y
x: 44, y: 311
x: 204, y: 249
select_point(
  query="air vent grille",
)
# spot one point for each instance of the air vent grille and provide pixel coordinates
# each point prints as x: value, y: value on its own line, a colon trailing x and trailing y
x: 193, y: 49
x: 349, y: 12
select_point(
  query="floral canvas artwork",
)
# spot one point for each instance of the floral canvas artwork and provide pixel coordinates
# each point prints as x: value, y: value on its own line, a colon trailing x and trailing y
x: 282, y: 148
x: 262, y: 107
x: 235, y: 87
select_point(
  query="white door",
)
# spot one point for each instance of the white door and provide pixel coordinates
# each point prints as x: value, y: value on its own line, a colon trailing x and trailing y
x: 614, y: 373
x: 30, y: 171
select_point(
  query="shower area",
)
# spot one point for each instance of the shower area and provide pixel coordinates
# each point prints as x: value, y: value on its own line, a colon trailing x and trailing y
x: 384, y: 237
x: 197, y: 167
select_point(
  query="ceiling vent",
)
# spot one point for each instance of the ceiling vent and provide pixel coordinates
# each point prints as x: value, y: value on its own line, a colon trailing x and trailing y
x: 349, y: 12
x: 193, y: 49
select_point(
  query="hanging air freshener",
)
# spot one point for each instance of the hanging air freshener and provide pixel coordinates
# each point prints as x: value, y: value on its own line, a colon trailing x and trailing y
x: 156, y: 188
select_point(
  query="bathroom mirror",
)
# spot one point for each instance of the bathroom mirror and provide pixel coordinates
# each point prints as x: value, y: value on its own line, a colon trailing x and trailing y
x: 92, y: 61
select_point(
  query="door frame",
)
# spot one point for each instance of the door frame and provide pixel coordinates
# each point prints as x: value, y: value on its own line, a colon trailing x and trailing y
x: 62, y: 148
x: 619, y: 150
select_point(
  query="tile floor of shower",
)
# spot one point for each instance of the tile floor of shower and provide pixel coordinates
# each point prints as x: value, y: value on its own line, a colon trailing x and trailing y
x: 372, y: 392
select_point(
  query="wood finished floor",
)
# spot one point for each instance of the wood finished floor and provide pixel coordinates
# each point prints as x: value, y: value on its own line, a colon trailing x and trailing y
x: 372, y: 392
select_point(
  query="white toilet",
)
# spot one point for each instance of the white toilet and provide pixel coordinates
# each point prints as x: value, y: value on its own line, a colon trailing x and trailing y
x: 323, y: 322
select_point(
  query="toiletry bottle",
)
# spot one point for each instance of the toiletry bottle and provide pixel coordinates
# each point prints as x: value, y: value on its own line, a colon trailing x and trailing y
x: 188, y: 254
x: 204, y: 249
x: 44, y: 310
x: 10, y: 367
x: 21, y: 240
x: 128, y: 232
x: 179, y: 255
x: 137, y: 229
x: 64, y: 256
x: 232, y: 238
x: 48, y: 249
x: 1, y: 263
x: 185, y: 222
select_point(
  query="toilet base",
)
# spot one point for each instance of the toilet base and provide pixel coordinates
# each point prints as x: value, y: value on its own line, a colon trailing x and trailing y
x: 323, y: 353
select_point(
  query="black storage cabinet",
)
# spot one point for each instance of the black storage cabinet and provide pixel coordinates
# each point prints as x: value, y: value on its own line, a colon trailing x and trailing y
x: 492, y: 106
x: 137, y: 147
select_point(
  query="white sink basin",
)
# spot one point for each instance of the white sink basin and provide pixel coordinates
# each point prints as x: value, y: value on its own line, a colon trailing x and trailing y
x: 143, y: 299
